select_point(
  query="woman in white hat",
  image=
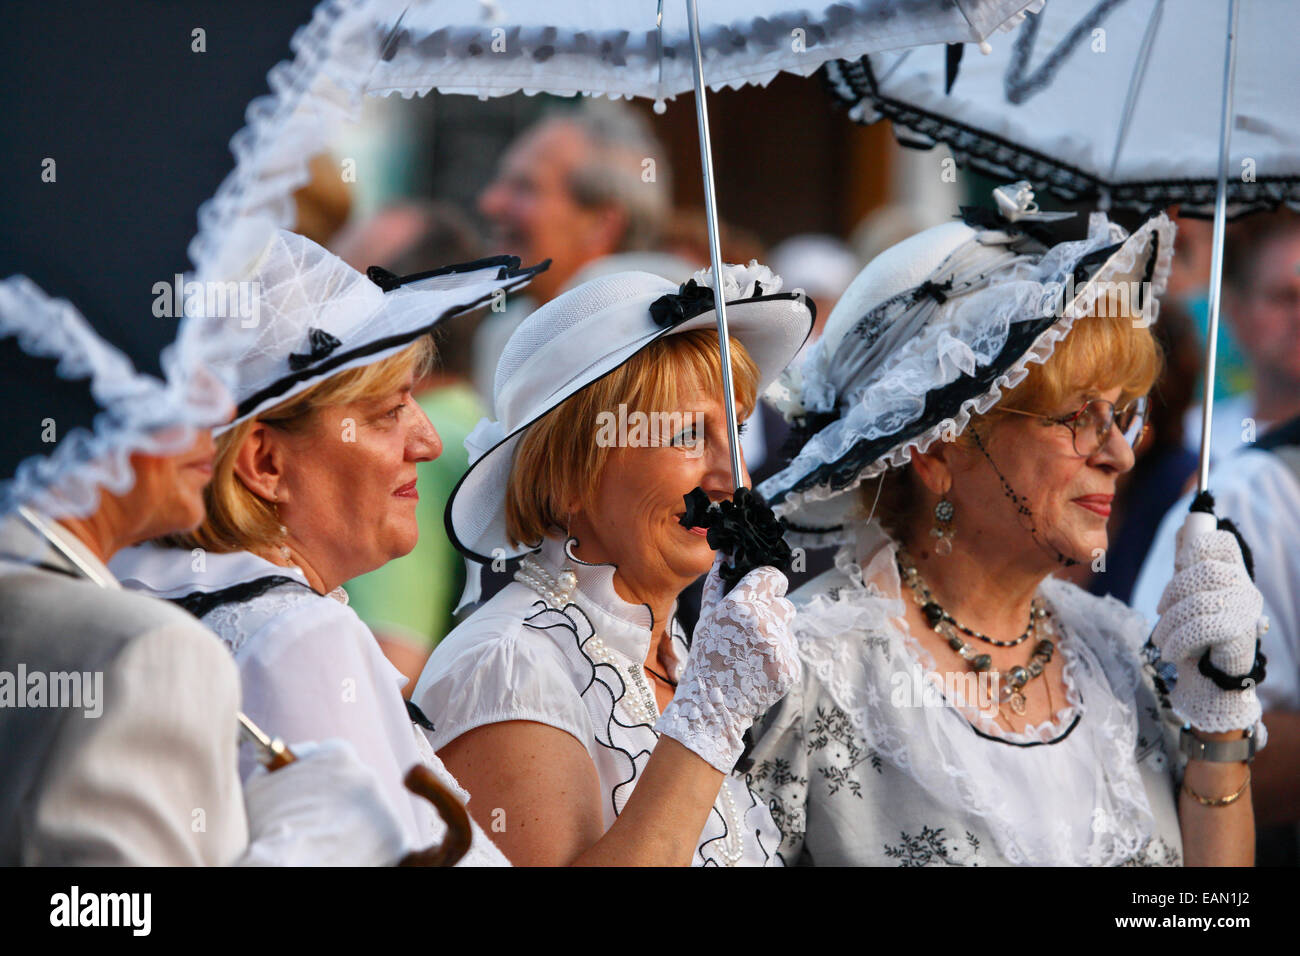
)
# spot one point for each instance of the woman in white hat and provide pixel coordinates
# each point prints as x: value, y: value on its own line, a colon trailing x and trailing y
x: 314, y: 484
x: 976, y: 395
x: 569, y: 703
x: 117, y: 711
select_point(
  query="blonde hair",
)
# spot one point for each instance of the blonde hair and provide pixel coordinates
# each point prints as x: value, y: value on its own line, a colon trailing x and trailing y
x: 558, y: 458
x: 239, y: 520
x: 1101, y: 352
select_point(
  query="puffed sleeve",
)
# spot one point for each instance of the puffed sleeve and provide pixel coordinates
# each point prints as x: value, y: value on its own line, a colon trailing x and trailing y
x: 314, y: 672
x: 493, y: 669
x: 779, y: 774
x: 152, y: 780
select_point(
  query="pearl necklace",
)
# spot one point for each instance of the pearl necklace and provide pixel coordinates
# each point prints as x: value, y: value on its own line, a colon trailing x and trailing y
x: 643, y: 707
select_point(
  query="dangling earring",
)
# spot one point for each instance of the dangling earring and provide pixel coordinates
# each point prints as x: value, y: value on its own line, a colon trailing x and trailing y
x: 942, y: 530
x: 284, y: 536
x: 566, y: 581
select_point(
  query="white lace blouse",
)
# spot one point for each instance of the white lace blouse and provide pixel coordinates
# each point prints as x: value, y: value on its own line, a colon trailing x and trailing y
x: 863, y: 765
x: 310, y: 670
x: 578, y: 668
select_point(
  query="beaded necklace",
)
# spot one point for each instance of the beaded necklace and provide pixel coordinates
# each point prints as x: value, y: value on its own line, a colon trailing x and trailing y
x: 1011, y: 685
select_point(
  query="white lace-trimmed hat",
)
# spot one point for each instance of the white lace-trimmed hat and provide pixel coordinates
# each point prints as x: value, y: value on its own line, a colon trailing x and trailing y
x: 933, y: 331
x: 317, y: 316
x: 583, y: 335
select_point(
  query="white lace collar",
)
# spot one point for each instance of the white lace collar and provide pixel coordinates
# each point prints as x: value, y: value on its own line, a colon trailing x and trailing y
x: 174, y: 572
x: 627, y: 628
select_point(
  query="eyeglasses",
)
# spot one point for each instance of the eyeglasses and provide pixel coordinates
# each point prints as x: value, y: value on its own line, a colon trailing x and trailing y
x: 1090, y: 425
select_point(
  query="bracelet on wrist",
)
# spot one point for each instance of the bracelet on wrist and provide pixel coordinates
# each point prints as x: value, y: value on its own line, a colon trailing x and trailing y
x: 1239, y: 750
x: 1217, y: 802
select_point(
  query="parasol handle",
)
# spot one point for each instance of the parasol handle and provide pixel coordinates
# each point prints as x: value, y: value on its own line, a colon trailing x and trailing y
x: 273, y: 754
x: 420, y: 780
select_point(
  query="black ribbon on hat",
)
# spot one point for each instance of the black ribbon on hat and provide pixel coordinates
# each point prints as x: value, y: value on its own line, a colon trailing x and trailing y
x: 687, y: 302
x: 984, y: 217
x: 320, y: 344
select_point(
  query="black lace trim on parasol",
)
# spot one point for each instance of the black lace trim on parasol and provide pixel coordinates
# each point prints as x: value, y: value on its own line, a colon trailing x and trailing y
x: 852, y: 82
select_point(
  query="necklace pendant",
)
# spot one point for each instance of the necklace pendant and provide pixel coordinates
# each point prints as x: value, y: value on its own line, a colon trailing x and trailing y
x: 1017, y: 703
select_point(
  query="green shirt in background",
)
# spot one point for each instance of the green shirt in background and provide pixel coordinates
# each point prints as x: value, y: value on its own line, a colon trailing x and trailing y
x: 414, y: 596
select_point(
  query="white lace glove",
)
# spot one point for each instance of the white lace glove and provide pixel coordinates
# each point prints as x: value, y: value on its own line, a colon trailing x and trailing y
x: 1210, y: 604
x: 743, y: 659
x: 324, y: 809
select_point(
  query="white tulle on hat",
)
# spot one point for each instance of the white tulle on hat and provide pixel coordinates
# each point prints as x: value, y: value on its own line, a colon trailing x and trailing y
x: 317, y: 316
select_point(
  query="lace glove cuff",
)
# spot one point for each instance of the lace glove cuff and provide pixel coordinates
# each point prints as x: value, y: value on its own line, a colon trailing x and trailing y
x: 1210, y: 605
x: 324, y: 809
x: 743, y: 659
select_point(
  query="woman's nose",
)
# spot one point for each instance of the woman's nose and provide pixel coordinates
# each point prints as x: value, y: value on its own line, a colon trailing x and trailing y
x: 423, y: 442
x: 1115, y: 452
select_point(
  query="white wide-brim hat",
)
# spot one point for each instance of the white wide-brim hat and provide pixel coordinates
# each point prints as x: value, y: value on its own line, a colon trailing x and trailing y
x: 583, y: 335
x: 317, y: 316
x: 933, y: 331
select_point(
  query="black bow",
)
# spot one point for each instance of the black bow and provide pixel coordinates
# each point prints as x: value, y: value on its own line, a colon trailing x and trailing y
x: 320, y: 343
x: 690, y: 300
x: 744, y: 529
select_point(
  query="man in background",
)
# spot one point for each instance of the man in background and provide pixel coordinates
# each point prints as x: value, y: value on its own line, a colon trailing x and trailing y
x: 573, y: 188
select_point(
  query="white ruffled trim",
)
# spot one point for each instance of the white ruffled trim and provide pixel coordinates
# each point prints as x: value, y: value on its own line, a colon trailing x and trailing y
x: 931, y: 360
x: 620, y: 57
x: 142, y: 414
x: 313, y: 98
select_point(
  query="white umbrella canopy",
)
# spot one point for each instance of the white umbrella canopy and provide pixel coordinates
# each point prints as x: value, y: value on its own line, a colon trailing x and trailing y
x: 648, y: 48
x: 1108, y: 101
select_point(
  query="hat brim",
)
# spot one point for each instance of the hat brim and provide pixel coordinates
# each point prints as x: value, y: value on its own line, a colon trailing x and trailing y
x: 772, y: 328
x: 817, y: 503
x: 402, y: 318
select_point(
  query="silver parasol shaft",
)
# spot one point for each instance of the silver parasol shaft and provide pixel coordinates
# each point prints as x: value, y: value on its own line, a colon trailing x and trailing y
x: 1216, y: 261
x: 715, y: 249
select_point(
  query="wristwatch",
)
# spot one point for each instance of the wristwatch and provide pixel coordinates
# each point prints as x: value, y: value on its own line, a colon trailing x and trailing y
x: 1241, y: 750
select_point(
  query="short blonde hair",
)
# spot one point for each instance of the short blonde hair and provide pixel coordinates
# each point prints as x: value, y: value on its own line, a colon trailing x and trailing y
x: 237, y: 519
x: 1101, y: 352
x: 558, y: 458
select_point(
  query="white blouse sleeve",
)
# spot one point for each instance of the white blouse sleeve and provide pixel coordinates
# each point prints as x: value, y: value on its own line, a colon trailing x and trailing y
x: 309, y: 675
x: 493, y: 669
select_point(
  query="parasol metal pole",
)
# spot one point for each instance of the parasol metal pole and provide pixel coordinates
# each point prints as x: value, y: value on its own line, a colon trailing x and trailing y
x: 715, y: 248
x: 1216, y: 261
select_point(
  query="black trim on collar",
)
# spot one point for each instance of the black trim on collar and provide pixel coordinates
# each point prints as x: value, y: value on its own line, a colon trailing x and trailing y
x: 203, y: 603
x: 1036, y: 743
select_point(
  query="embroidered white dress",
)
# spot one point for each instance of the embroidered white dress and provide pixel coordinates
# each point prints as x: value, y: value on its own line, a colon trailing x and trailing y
x: 579, y: 669
x: 866, y: 762
x: 310, y: 670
